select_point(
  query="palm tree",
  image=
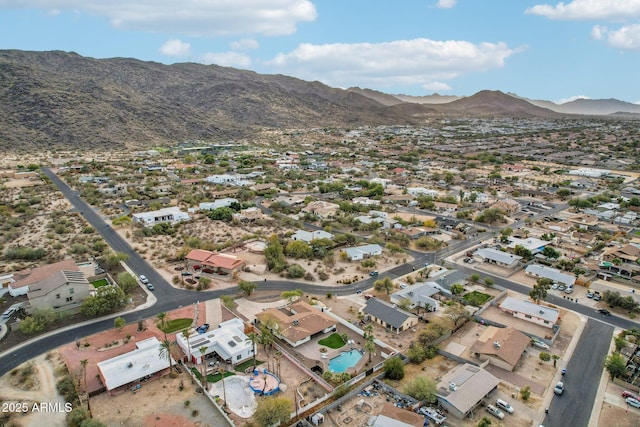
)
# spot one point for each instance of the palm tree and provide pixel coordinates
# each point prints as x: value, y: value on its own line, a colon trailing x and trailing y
x: 254, y: 339
x: 385, y: 284
x: 163, y: 321
x: 266, y: 339
x: 369, y: 345
x: 203, y: 351
x: 165, y: 352
x: 186, y: 333
x: 84, y: 363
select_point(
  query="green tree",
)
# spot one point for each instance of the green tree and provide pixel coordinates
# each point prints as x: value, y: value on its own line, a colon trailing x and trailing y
x: 489, y: 281
x: 550, y: 253
x: 119, y: 323
x: 525, y: 393
x: 274, y: 255
x: 484, y: 422
x: 540, y: 289
x: 369, y: 340
x: 458, y: 314
x: 385, y: 284
x: 112, y: 260
x: 229, y: 301
x: 393, y: 368
x: 162, y: 321
x: 273, y: 411
x: 164, y: 351
x: 544, y: 356
x: 490, y: 216
x: 295, y: 271
x: 457, y: 289
x: 246, y: 287
x: 106, y: 300
x: 127, y: 282
x: 421, y: 388
x: 292, y: 296
x: 254, y: 339
x: 186, y: 333
x: 298, y: 249
x: 615, y: 365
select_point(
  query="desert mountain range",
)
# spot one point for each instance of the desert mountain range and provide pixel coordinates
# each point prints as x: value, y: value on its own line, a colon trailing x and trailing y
x: 60, y: 99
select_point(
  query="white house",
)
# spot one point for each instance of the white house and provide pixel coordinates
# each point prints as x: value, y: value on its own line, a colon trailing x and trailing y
x: 228, y: 341
x: 130, y: 367
x: 552, y: 274
x: 309, y: 236
x: 534, y: 313
x: 419, y: 295
x: 532, y: 244
x: 234, y: 180
x: 361, y: 252
x: 421, y: 191
x: 171, y: 215
x: 220, y: 203
x: 494, y: 256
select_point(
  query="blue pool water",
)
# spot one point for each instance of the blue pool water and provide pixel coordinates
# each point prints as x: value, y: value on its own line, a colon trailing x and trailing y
x: 344, y: 361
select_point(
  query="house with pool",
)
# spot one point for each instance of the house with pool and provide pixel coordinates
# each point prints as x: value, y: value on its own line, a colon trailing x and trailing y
x: 297, y: 323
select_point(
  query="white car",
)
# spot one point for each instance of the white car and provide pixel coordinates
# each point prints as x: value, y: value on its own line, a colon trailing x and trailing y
x: 495, y: 412
x: 539, y: 344
x: 144, y: 279
x: 403, y: 285
x: 504, y: 406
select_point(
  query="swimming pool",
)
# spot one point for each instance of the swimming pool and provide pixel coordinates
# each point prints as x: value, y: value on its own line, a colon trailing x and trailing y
x: 344, y: 361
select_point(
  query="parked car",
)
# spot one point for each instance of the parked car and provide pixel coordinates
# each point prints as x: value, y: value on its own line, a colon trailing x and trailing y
x: 9, y: 312
x: 495, y: 412
x: 150, y: 287
x: 186, y: 273
x: 540, y: 344
x: 562, y: 288
x: 202, y: 328
x: 144, y: 279
x: 403, y: 285
x: 568, y: 290
x: 590, y: 293
x: 559, y: 388
x: 604, y: 312
x: 368, y: 296
x: 208, y: 270
x: 554, y: 285
x: 632, y: 402
x: 373, y: 273
x: 597, y: 296
x: 628, y: 393
x: 504, y: 406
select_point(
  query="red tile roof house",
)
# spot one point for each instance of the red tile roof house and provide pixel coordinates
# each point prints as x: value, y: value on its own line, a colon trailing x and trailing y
x: 223, y: 264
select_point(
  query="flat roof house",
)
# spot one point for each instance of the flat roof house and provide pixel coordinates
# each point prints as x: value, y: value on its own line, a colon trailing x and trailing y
x: 534, y: 313
x: 228, y: 341
x: 130, y: 367
x: 297, y: 323
x: 463, y: 388
x: 361, y: 252
x: 389, y: 316
x: 171, y: 215
x: 502, y: 347
x: 419, y: 295
x: 309, y: 236
x: 550, y: 273
x: 494, y: 256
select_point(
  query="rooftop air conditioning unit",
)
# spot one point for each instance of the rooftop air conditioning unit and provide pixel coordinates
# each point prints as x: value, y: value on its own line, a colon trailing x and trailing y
x: 453, y: 386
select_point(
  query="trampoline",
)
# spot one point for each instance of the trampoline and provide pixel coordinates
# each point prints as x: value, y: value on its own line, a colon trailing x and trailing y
x: 264, y: 383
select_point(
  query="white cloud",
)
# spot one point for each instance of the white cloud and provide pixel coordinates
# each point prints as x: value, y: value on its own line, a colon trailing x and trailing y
x: 175, y: 48
x: 190, y: 17
x: 402, y: 62
x: 245, y: 44
x: 227, y: 59
x: 572, y: 98
x: 446, y: 4
x: 438, y: 86
x: 626, y: 38
x: 589, y: 10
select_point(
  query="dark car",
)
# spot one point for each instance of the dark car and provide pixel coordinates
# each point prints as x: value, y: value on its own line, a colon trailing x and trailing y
x: 202, y: 328
x: 373, y: 273
x: 604, y: 312
x: 186, y: 273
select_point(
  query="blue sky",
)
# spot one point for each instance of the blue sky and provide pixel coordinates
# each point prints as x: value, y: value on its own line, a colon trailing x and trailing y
x: 554, y: 51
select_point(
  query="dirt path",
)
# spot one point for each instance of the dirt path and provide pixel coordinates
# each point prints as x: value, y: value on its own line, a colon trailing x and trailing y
x: 45, y: 392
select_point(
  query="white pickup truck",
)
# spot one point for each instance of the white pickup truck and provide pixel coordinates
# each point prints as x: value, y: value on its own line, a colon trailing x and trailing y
x: 432, y: 414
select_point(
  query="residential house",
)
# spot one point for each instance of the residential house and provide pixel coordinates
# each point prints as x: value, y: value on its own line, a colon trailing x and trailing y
x: 366, y: 201
x: 249, y: 214
x: 531, y: 244
x: 584, y: 221
x: 508, y: 206
x: 502, y: 347
x: 495, y: 256
x: 421, y: 191
x: 463, y: 388
x: 361, y: 252
x: 392, y: 416
x: 61, y: 286
x: 389, y: 316
x: 534, y: 313
x: 234, y: 180
x: 550, y: 273
x: 297, y: 323
x: 216, y: 204
x: 418, y: 295
x: 309, y: 236
x: 446, y: 208
x: 321, y: 209
x: 212, y: 262
x: 128, y: 368
x: 227, y: 342
x: 171, y: 215
x: 417, y: 232
x: 289, y: 200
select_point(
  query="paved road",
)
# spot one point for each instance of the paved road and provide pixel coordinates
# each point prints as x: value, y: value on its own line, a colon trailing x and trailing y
x: 573, y: 407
